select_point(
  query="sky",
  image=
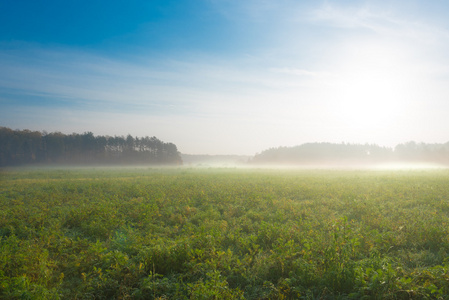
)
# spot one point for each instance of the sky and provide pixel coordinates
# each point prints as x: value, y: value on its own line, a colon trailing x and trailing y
x: 228, y: 76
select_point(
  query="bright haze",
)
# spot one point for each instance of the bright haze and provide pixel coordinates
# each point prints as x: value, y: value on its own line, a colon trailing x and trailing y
x: 225, y: 76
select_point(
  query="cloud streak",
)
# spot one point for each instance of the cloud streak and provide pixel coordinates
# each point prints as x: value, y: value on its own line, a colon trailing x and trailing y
x: 385, y: 22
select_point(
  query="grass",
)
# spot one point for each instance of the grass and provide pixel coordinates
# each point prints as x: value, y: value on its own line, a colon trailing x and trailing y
x: 141, y: 233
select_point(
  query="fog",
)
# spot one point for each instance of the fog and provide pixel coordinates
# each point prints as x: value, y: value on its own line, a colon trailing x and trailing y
x: 25, y: 147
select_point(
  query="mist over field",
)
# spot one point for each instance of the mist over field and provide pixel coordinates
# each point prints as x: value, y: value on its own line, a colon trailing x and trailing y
x: 25, y: 147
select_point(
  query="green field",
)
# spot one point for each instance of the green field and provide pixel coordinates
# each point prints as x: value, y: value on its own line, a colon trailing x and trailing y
x: 104, y: 233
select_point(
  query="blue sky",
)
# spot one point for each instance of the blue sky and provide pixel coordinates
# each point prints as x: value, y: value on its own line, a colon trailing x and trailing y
x: 226, y: 76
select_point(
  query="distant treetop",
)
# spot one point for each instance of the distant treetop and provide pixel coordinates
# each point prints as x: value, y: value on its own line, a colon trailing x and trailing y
x: 344, y: 153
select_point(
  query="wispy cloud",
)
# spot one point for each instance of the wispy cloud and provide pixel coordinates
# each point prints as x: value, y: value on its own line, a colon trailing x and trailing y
x: 300, y: 72
x: 170, y: 87
x: 382, y: 20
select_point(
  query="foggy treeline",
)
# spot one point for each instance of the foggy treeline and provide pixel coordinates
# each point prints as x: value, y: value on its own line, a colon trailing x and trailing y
x: 344, y: 153
x: 20, y: 147
x: 23, y: 147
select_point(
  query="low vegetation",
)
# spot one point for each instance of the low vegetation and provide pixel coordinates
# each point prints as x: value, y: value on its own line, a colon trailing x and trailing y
x: 223, y: 234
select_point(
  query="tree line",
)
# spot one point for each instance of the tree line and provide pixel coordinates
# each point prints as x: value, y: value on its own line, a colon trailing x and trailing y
x: 21, y: 147
x: 345, y: 153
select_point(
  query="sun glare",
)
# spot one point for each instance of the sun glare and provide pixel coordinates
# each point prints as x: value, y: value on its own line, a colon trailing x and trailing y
x: 372, y: 87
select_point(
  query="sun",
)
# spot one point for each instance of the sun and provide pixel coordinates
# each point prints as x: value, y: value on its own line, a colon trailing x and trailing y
x: 372, y: 87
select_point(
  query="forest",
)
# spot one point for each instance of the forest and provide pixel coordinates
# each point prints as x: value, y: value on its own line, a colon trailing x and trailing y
x: 358, y: 154
x: 24, y: 147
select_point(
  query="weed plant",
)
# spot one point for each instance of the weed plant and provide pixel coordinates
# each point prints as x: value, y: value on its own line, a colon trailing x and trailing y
x: 223, y: 234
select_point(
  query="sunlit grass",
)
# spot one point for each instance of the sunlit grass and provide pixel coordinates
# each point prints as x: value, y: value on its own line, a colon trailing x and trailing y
x: 181, y: 233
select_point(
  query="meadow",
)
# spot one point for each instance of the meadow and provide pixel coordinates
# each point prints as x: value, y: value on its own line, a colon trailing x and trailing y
x: 180, y: 233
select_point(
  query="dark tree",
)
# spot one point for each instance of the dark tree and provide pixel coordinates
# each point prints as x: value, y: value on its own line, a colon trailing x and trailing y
x: 26, y: 147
